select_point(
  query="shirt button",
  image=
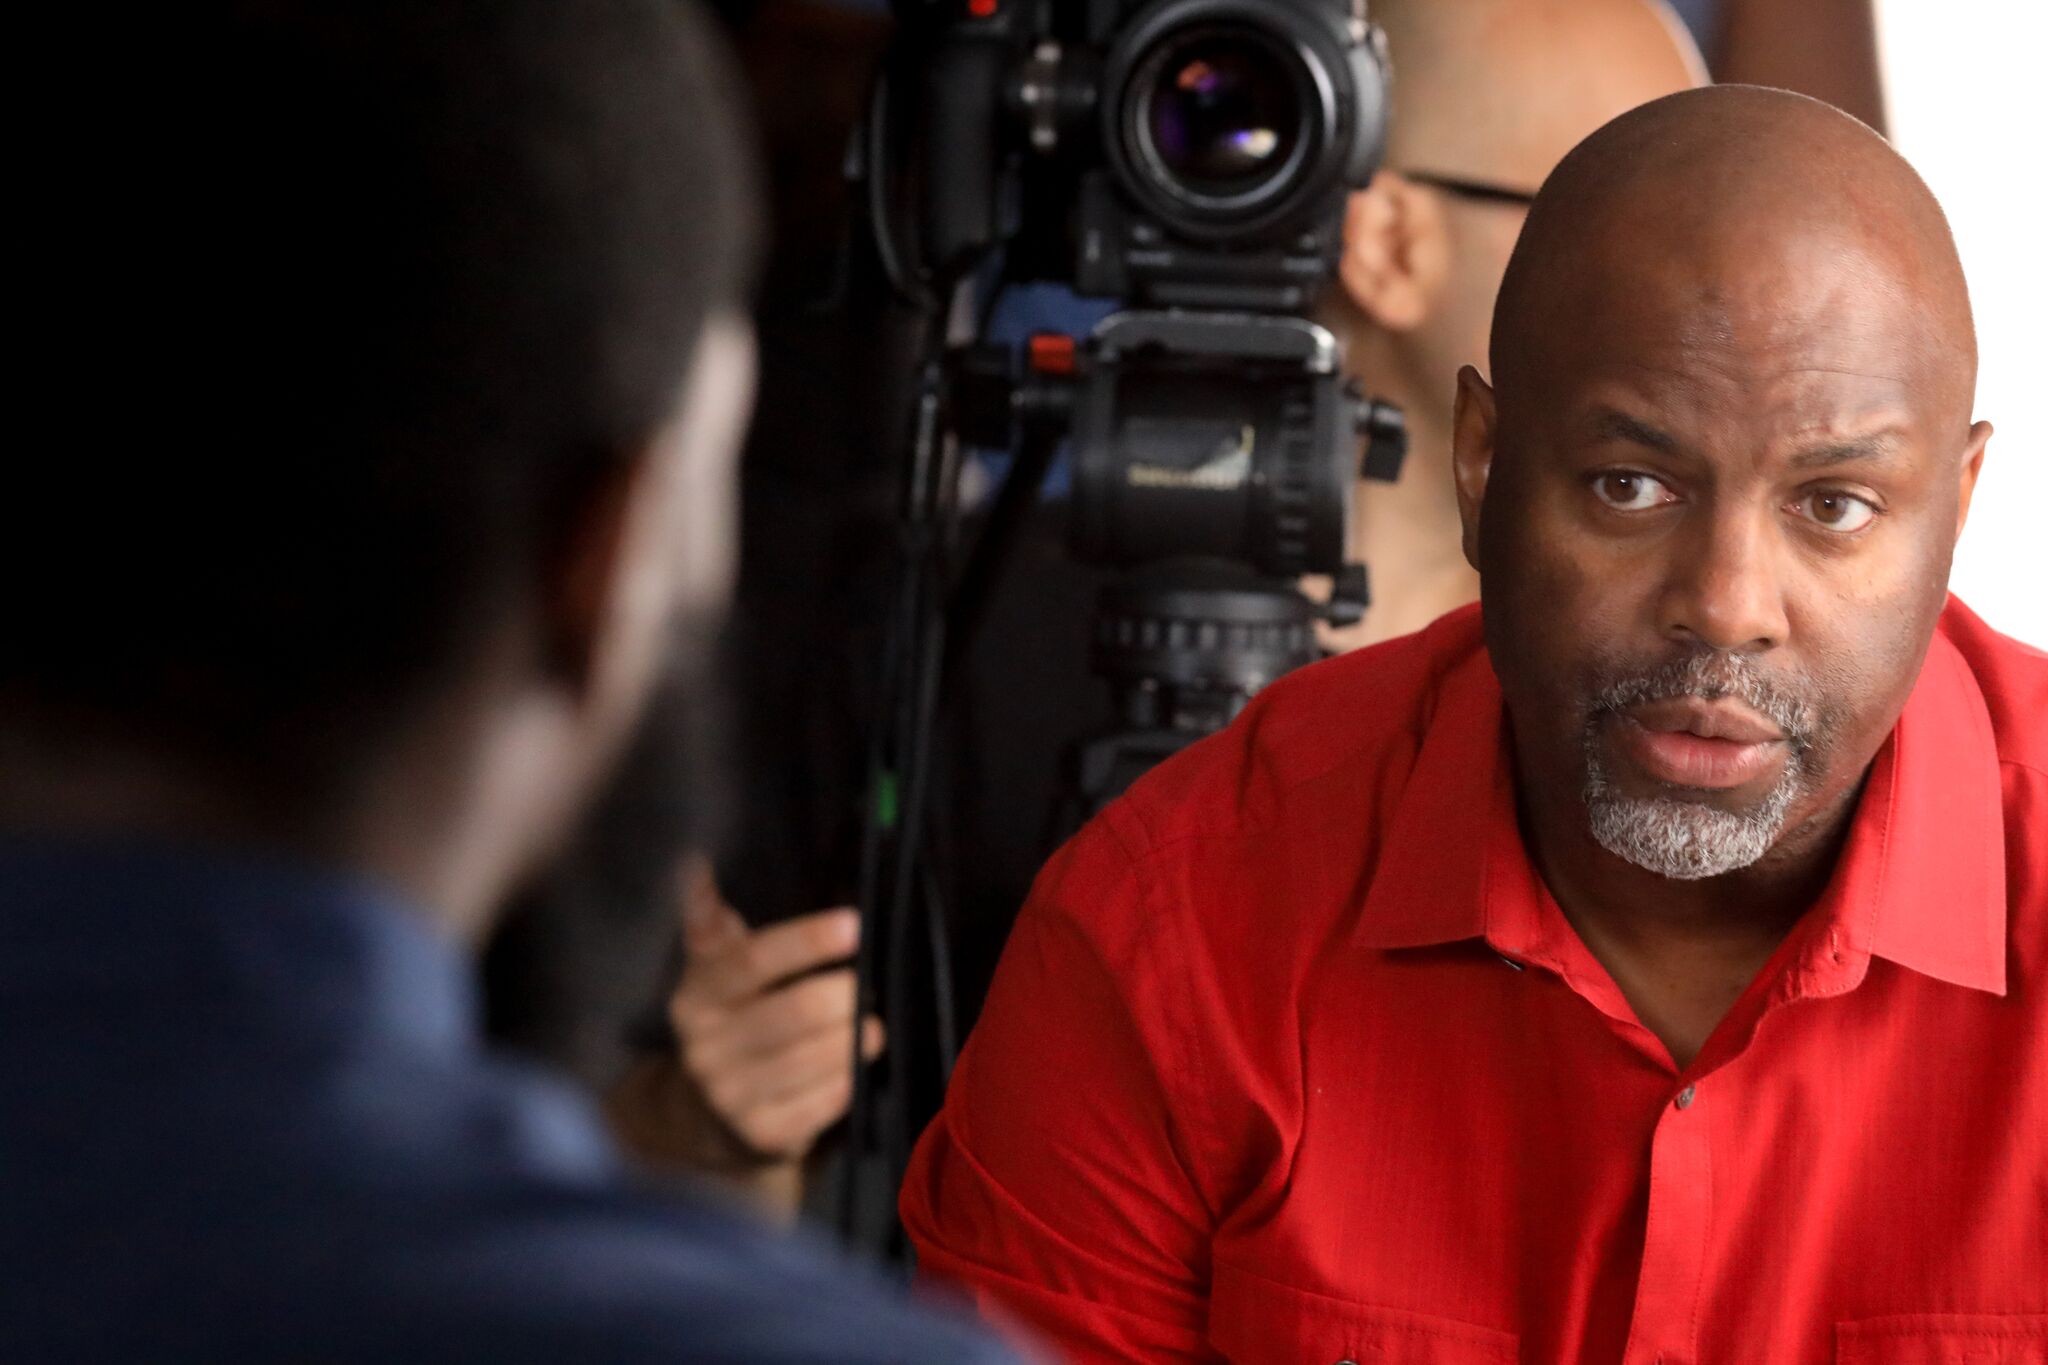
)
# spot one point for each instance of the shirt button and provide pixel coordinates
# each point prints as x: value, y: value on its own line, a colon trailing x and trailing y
x: 1684, y: 1100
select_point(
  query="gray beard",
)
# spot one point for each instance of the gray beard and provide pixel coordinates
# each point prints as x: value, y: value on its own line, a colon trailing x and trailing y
x: 1689, y: 840
x: 1684, y: 840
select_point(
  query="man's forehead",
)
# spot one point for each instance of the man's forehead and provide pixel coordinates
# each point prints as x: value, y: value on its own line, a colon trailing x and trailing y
x: 1807, y: 418
x: 1792, y: 341
x: 1738, y: 233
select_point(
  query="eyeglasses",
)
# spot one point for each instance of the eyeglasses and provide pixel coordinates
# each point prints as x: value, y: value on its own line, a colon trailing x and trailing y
x: 1473, y: 189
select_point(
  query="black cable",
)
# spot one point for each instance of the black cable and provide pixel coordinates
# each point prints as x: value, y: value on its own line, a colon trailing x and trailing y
x: 1018, y: 494
x: 881, y: 217
x: 890, y: 243
x: 899, y: 635
x: 944, y: 1005
x: 931, y: 479
x: 895, y: 860
x: 993, y: 288
x: 903, y: 906
x: 867, y: 889
x: 896, y: 777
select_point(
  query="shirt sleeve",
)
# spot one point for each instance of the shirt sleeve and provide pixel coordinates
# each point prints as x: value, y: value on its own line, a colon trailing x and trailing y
x: 1057, y: 1186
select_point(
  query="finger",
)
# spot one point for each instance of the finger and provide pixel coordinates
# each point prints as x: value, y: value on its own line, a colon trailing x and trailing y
x: 718, y: 1035
x: 775, y: 953
x: 750, y: 1082
x: 710, y: 926
x: 873, y: 1038
x: 790, y: 1126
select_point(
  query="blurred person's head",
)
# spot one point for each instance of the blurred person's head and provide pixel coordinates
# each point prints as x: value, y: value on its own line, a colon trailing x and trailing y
x: 1490, y: 94
x: 425, y: 361
x: 1713, y: 488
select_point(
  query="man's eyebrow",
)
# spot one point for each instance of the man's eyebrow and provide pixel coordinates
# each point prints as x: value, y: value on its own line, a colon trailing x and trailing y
x: 1878, y: 445
x: 1611, y: 424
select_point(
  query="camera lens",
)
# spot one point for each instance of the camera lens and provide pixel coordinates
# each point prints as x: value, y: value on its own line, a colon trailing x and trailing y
x: 1234, y: 123
x: 1222, y: 112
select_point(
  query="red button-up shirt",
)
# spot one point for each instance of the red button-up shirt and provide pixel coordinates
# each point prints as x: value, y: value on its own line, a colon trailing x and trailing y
x: 1292, y: 1057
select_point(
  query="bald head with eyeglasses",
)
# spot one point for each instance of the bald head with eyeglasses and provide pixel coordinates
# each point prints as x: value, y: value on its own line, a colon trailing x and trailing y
x: 1489, y: 95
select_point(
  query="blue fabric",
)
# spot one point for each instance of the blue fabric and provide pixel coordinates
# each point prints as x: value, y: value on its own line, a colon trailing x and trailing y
x: 1703, y: 17
x: 245, y: 1116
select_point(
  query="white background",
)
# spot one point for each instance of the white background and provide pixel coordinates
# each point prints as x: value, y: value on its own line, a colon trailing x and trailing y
x: 1969, y: 108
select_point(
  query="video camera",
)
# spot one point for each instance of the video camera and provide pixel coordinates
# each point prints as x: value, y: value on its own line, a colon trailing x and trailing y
x: 1190, y: 159
x: 1178, y: 153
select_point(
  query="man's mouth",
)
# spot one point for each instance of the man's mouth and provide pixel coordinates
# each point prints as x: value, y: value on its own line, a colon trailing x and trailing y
x: 1693, y: 742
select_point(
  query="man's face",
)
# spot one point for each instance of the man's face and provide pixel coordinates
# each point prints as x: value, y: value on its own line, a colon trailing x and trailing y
x: 651, y: 584
x: 1714, y: 547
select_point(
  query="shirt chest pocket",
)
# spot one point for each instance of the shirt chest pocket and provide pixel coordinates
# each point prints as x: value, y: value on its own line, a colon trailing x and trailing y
x: 1944, y: 1339
x: 1257, y: 1321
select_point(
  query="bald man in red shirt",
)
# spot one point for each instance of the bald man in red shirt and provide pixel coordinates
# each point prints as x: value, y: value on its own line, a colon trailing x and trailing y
x: 1650, y: 965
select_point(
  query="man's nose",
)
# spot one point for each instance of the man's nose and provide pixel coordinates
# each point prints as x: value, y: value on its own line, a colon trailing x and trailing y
x: 1725, y: 586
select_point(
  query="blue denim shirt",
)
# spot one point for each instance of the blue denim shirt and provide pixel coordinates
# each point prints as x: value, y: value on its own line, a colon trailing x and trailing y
x: 245, y: 1115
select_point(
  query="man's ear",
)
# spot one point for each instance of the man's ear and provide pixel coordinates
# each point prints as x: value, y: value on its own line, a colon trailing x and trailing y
x: 1396, y: 251
x: 585, y: 576
x: 1473, y: 423
x: 656, y: 532
x: 1971, y: 465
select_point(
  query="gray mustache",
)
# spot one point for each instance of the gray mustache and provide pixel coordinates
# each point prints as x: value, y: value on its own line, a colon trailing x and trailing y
x: 1710, y: 676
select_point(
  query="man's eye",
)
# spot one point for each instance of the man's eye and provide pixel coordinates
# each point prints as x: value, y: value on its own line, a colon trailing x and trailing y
x: 1627, y: 491
x: 1843, y: 512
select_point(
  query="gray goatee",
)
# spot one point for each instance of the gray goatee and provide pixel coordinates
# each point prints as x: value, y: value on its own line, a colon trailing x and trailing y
x: 1677, y: 838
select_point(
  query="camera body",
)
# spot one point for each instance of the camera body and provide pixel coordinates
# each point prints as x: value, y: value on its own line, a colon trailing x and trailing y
x: 1167, y: 153
x: 1192, y: 160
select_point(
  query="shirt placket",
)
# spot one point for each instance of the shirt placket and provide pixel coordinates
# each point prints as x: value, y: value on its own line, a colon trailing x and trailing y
x: 1664, y: 1328
x: 1678, y: 1233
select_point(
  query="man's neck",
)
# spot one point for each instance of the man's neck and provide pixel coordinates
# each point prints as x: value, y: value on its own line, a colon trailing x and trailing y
x: 402, y: 823
x: 1682, y: 952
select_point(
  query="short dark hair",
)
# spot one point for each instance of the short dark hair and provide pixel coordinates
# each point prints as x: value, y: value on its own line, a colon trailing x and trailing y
x: 395, y: 284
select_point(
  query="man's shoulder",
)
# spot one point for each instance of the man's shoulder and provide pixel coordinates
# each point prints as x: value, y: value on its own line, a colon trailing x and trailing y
x: 535, y: 1269
x: 365, y: 1202
x: 623, y: 1276
x: 542, y: 1258
x: 2013, y: 678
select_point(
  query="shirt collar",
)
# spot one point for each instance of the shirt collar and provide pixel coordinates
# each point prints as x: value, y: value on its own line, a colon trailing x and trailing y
x: 1920, y: 881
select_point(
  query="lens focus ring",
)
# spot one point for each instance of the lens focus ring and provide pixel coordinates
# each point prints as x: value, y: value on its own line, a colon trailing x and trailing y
x: 1228, y: 119
x: 1221, y: 115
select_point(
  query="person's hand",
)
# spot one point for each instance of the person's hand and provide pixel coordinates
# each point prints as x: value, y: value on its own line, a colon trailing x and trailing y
x: 764, y: 1048
x: 765, y: 1037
